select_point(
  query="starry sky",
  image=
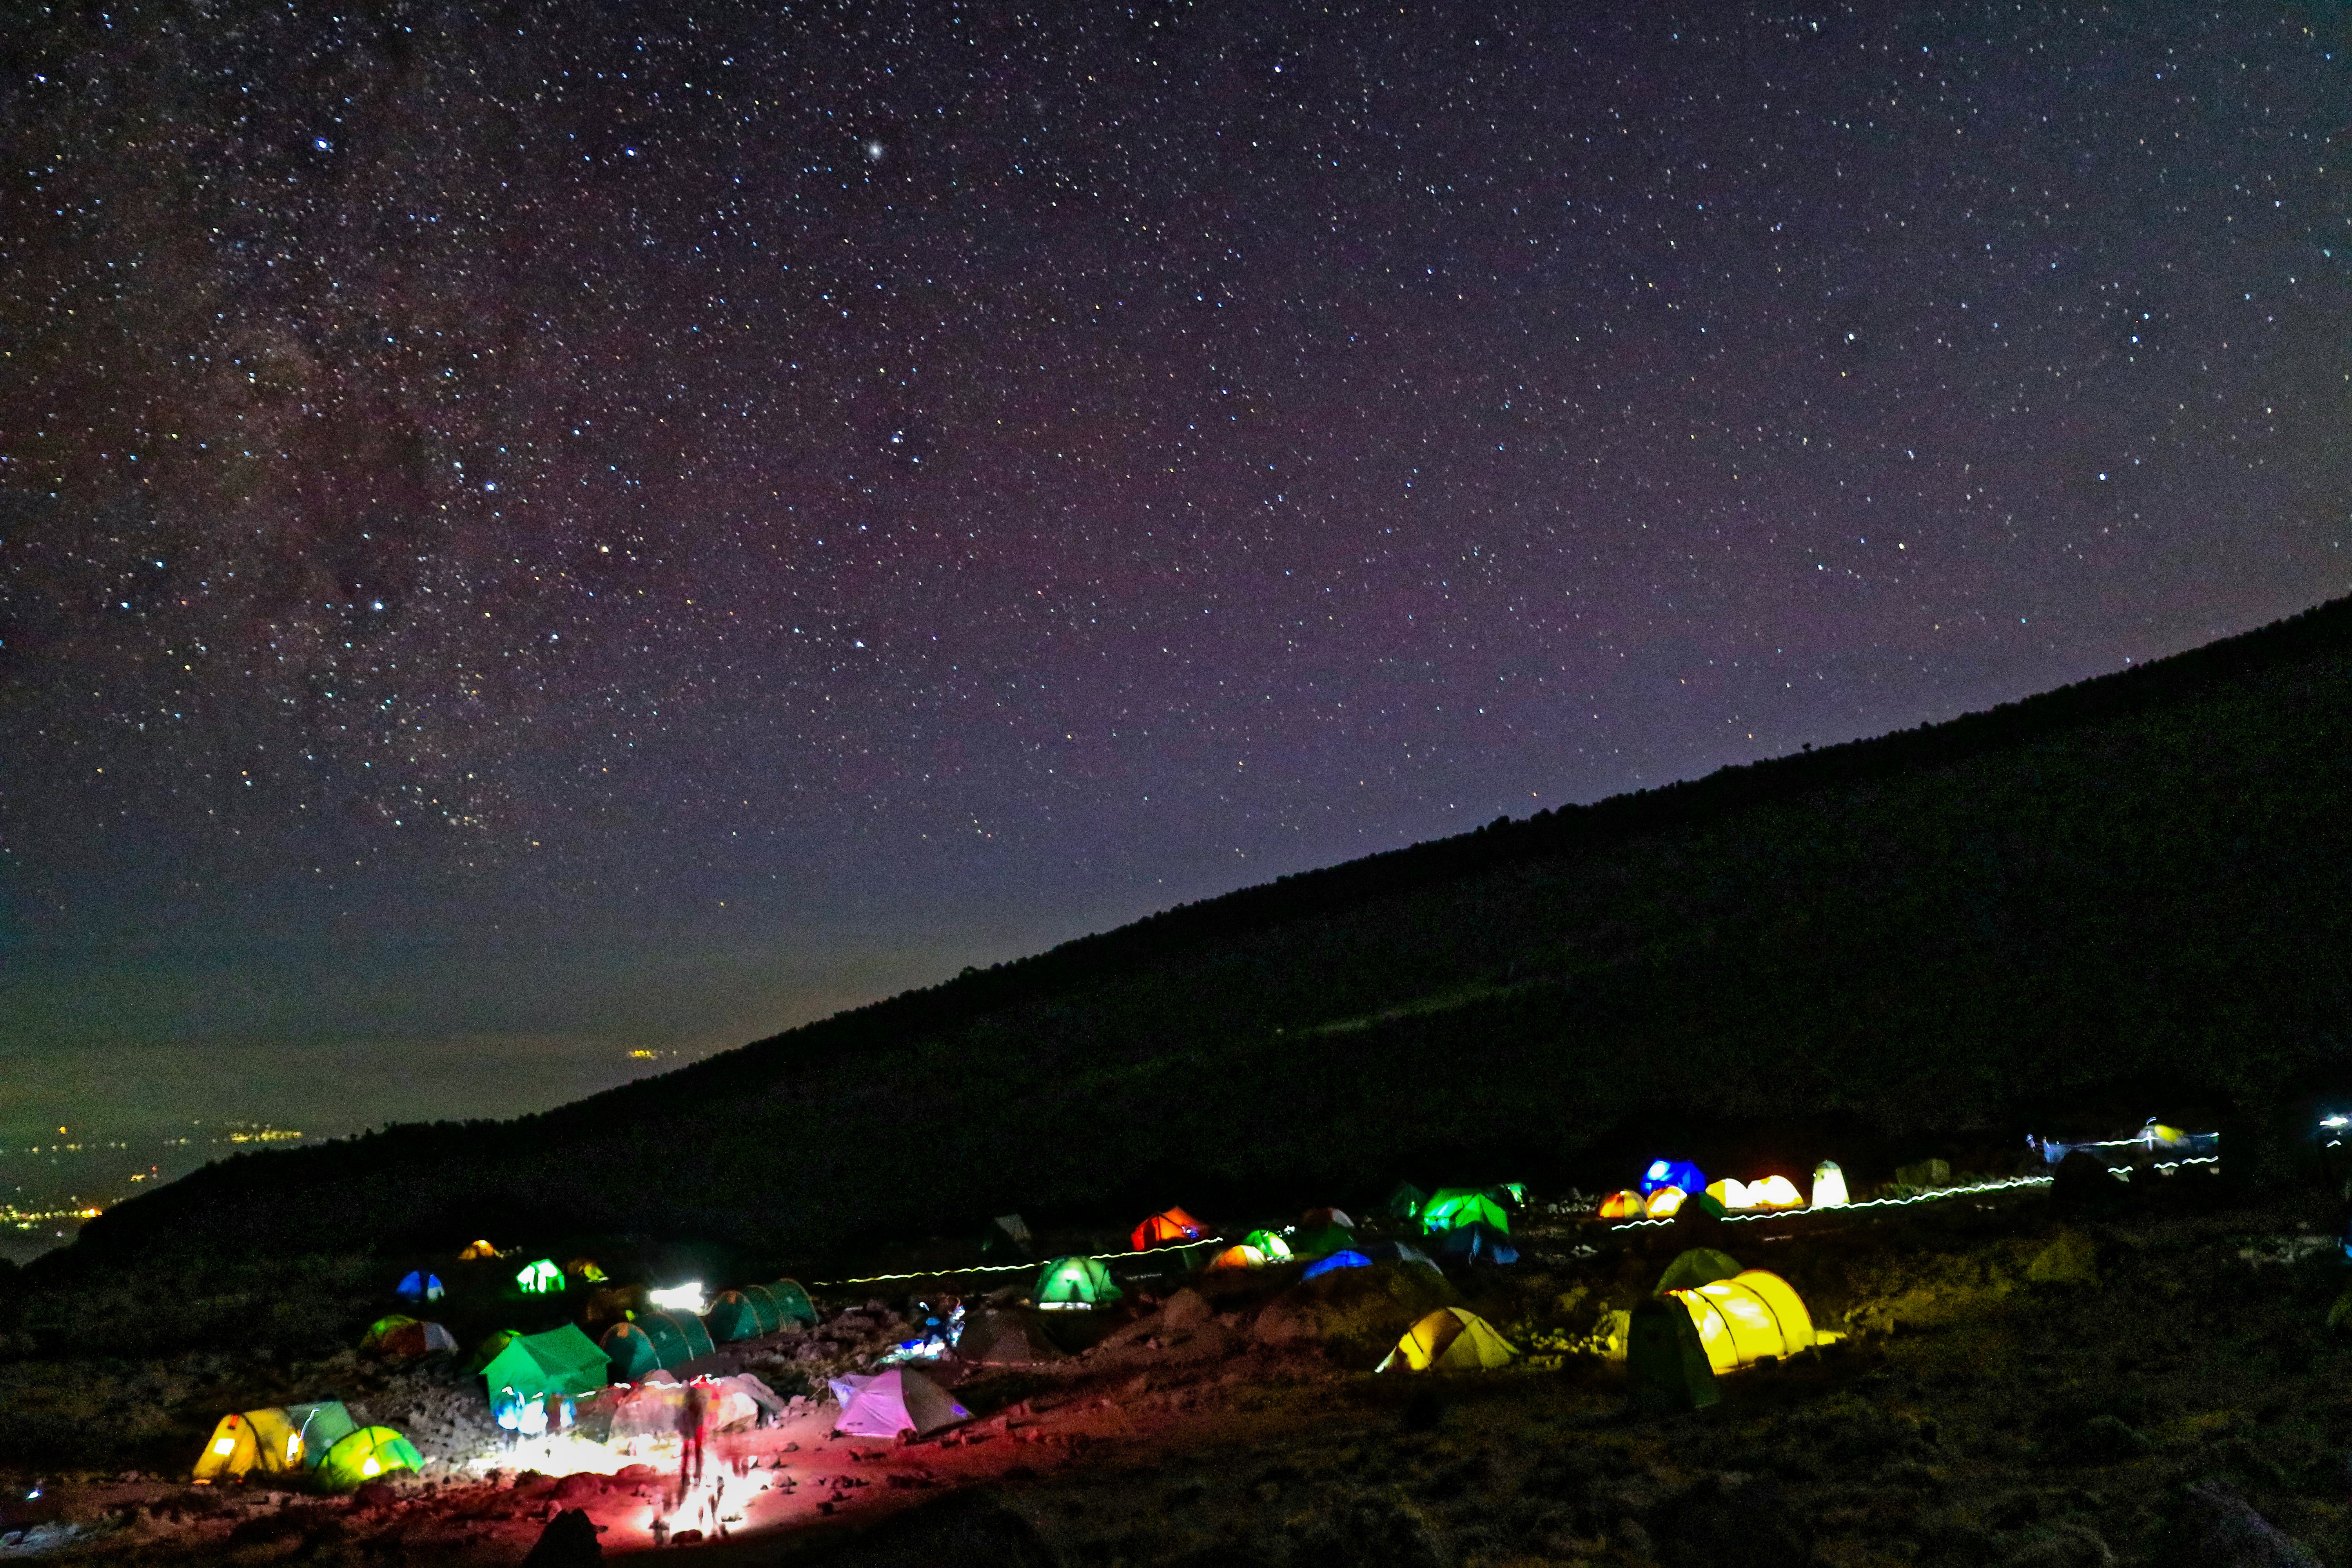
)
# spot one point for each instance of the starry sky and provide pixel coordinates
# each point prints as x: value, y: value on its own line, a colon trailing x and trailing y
x: 531, y: 533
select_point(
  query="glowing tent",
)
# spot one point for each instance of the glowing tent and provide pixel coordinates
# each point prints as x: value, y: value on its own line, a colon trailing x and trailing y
x: 1728, y: 1190
x: 405, y: 1339
x: 418, y: 1285
x: 1666, y: 1202
x: 1453, y: 1207
x: 320, y: 1424
x: 1075, y: 1284
x: 1164, y: 1229
x: 1239, y: 1256
x: 369, y: 1454
x: 384, y: 1328
x: 1829, y: 1185
x: 585, y: 1271
x: 561, y: 1360
x: 1316, y: 1240
x: 262, y: 1440
x: 1343, y: 1259
x: 1775, y: 1193
x: 886, y: 1403
x: 476, y: 1252
x: 540, y: 1278
x: 1672, y: 1174
x: 1452, y: 1338
x: 1275, y: 1247
x: 1626, y: 1204
x: 1747, y: 1318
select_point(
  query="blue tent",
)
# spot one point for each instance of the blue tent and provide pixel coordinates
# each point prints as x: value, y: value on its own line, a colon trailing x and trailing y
x: 1673, y: 1173
x: 418, y: 1285
x: 1344, y: 1259
x: 1477, y: 1244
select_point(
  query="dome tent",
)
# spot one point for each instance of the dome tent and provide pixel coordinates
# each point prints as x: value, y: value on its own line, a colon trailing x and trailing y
x: 999, y: 1337
x: 262, y: 1440
x: 1454, y: 1208
x: 1343, y: 1259
x: 1321, y: 1240
x: 1699, y: 1266
x: 887, y: 1404
x: 1269, y: 1242
x: 1672, y: 1174
x: 1071, y: 1284
x: 369, y: 1454
x: 1167, y: 1227
x: 1240, y: 1255
x: 417, y: 1285
x: 1452, y: 1338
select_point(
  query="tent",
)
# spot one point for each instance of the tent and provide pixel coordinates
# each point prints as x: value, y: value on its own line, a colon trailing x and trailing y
x: 1167, y: 1227
x: 264, y: 1440
x: 1406, y: 1201
x: 1009, y: 1232
x: 1455, y: 1206
x: 382, y: 1328
x: 1396, y: 1252
x: 322, y: 1424
x: 1239, y: 1256
x: 1664, y: 1203
x: 737, y: 1315
x: 409, y: 1340
x: 1071, y: 1284
x: 418, y: 1285
x: 585, y: 1271
x: 1478, y: 1243
x: 1316, y: 1241
x: 561, y: 1360
x: 1313, y: 1219
x: 630, y: 1352
x: 1672, y: 1174
x: 1746, y: 1319
x: 1344, y: 1259
x: 791, y: 1303
x: 367, y: 1455
x: 488, y: 1351
x: 1452, y: 1338
x: 1699, y: 1266
x: 654, y: 1339
x: 540, y: 1278
x: 1829, y: 1185
x: 476, y: 1252
x: 1666, y: 1365
x: 886, y: 1403
x: 1627, y: 1205
x: 1774, y: 1193
x: 994, y: 1337
x: 1275, y: 1247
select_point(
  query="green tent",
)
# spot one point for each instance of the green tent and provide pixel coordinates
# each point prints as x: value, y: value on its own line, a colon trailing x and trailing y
x: 488, y: 1351
x: 1406, y: 1201
x: 1074, y: 1283
x: 322, y: 1424
x: 1321, y: 1241
x: 1275, y: 1245
x: 540, y: 1278
x: 367, y: 1455
x: 1699, y: 1266
x: 654, y: 1339
x: 739, y: 1315
x: 790, y: 1302
x: 561, y: 1360
x: 1664, y: 1362
x: 1454, y: 1208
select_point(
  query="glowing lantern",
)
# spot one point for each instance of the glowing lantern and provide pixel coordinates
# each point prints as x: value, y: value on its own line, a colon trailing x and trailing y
x: 1829, y: 1185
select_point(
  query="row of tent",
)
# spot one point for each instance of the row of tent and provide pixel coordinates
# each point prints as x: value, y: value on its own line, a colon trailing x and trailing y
x: 319, y: 1443
x: 541, y: 1277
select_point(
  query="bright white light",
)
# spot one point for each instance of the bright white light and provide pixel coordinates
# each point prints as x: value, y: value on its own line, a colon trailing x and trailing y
x: 2335, y: 1121
x: 686, y: 1298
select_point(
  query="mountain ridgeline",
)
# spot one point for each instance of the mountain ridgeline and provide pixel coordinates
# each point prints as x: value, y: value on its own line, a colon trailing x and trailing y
x: 2135, y: 888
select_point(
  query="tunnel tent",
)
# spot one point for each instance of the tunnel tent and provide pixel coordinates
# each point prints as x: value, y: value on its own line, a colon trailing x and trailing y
x: 1452, y: 1338
x: 1405, y: 1202
x: 1271, y: 1243
x: 1698, y: 1266
x: 561, y: 1360
x: 1076, y: 1284
x: 886, y: 1404
x: 1666, y: 1367
x: 1320, y: 1240
x: 1453, y: 1207
x: 542, y: 1277
x: 1166, y: 1228
x: 417, y: 1285
x: 369, y: 1454
x: 1752, y: 1316
x: 631, y: 1352
x: 1330, y: 1263
x: 675, y: 1337
x: 789, y: 1299
x: 739, y: 1315
x: 322, y: 1424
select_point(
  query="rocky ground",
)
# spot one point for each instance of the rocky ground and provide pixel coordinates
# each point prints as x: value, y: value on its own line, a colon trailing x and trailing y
x: 2150, y: 1381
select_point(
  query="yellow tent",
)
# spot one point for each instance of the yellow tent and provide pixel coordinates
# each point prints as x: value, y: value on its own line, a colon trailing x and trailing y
x: 262, y: 1440
x: 1241, y: 1256
x: 476, y: 1252
x: 1747, y: 1317
x: 1452, y: 1338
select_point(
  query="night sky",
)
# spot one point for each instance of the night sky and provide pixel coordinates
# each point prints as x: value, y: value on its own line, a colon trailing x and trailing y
x: 530, y: 533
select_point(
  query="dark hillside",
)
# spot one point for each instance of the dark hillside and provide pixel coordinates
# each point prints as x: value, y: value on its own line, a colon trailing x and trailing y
x: 2141, y: 879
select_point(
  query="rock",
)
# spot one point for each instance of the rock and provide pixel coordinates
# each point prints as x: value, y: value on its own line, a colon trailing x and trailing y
x: 574, y: 1488
x: 568, y: 1542
x: 2070, y: 1259
x: 375, y: 1494
x: 2223, y: 1531
x: 1926, y: 1173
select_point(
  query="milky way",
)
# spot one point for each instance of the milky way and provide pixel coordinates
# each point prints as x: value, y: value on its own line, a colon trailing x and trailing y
x: 527, y: 531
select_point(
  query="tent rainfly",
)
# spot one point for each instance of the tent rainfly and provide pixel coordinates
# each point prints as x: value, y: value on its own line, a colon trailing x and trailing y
x: 416, y: 1284
x: 1343, y: 1259
x: 1452, y: 1338
x: 1476, y: 1243
x: 540, y: 1278
x: 477, y: 1252
x: 1269, y: 1242
x: 405, y: 1339
x: 1699, y: 1266
x: 1406, y: 1201
x: 654, y: 1339
x: 886, y: 1404
x: 1241, y: 1255
x: 1748, y: 1318
x: 1319, y: 1241
x: 1626, y: 1204
x: 367, y: 1455
x: 561, y: 1360
x: 262, y: 1440
x: 1076, y: 1284
x: 1165, y: 1228
x: 736, y: 1315
x: 789, y: 1301
x: 1454, y: 1208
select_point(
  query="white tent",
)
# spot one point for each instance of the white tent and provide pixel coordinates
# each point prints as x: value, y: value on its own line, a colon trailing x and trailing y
x: 884, y: 1404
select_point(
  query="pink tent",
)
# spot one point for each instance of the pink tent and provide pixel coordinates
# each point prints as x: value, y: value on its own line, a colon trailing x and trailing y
x: 884, y: 1404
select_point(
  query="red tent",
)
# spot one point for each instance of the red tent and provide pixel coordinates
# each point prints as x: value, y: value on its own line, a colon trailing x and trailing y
x: 1164, y: 1229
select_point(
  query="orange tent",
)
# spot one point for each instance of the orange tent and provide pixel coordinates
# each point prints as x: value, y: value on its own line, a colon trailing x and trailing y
x: 1164, y: 1229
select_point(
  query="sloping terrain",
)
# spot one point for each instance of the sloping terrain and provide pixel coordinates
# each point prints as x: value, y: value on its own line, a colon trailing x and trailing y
x: 2141, y: 882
